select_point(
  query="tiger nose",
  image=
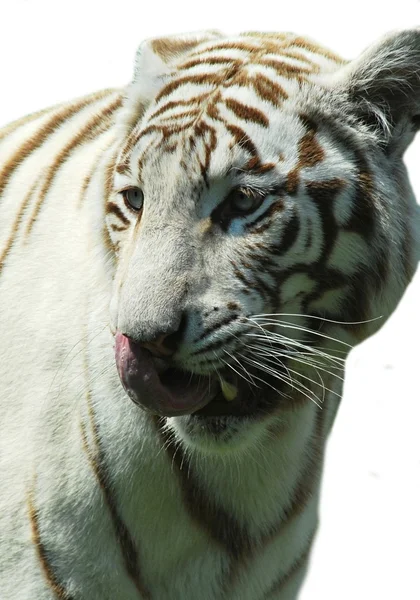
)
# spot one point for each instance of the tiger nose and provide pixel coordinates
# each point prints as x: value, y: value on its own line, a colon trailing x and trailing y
x: 163, y: 346
x: 160, y: 343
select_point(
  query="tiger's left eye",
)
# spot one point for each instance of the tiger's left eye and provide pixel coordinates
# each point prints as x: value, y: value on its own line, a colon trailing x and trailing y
x: 242, y: 201
x: 134, y: 198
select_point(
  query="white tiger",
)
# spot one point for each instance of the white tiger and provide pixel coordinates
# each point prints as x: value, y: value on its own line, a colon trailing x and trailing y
x: 232, y: 223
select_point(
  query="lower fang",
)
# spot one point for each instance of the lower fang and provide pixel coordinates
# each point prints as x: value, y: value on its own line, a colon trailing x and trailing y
x: 229, y: 391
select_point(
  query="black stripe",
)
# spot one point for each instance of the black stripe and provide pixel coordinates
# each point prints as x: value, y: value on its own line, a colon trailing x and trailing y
x: 222, y: 527
x: 229, y: 319
x: 279, y: 585
x: 289, y: 236
x: 122, y: 533
x: 43, y: 554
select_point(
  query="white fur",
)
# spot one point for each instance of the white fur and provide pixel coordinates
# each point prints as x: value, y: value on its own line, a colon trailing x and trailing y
x: 56, y: 360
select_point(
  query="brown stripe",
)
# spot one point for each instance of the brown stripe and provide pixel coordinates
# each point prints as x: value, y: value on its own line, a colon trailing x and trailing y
x: 176, y: 103
x: 247, y: 113
x: 129, y: 144
x: 114, y: 209
x: 285, y: 69
x: 12, y: 127
x: 97, y: 125
x: 256, y: 167
x: 310, y: 150
x: 98, y: 464
x: 87, y: 180
x: 268, y: 90
x: 47, y: 568
x: 123, y: 168
x: 211, y: 60
x: 242, y: 139
x: 109, y: 177
x: 16, y: 224
x: 310, y: 154
x: 230, y: 74
x: 181, y: 115
x: 311, y: 47
x: 166, y: 130
x: 295, y: 54
x: 202, y: 79
x: 117, y: 227
x: 91, y: 173
x: 237, y: 45
x: 168, y: 48
x: 169, y: 131
x: 253, y: 164
x: 213, y: 111
x: 201, y: 129
x: 288, y: 40
x: 279, y: 585
x: 221, y: 527
x: 45, y: 132
x: 109, y: 245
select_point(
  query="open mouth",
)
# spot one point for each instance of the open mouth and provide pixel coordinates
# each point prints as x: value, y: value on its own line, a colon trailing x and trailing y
x: 228, y: 394
x: 175, y: 392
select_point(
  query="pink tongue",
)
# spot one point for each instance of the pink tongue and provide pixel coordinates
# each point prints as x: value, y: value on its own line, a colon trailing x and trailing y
x: 141, y: 382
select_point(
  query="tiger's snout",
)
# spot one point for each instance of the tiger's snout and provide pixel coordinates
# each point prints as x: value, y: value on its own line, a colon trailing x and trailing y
x: 165, y: 396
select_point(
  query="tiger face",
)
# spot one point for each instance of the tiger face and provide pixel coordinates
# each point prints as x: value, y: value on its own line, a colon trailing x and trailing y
x: 249, y: 214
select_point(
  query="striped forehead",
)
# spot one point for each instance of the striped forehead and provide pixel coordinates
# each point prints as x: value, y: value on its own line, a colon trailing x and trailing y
x: 236, y: 87
x: 272, y: 67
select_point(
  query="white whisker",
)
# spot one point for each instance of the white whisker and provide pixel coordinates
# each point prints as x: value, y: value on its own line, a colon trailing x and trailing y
x: 274, y: 373
x: 296, y: 358
x: 306, y: 316
x: 251, y: 381
x: 306, y: 330
x: 310, y: 379
x: 293, y: 343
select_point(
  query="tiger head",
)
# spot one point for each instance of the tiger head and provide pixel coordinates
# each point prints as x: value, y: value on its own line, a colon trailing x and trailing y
x: 262, y: 220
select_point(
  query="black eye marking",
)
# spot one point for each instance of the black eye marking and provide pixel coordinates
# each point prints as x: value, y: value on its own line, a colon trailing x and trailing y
x: 133, y: 198
x: 240, y: 201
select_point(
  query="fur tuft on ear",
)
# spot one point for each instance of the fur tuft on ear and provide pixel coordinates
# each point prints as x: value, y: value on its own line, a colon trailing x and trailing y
x: 383, y: 85
x: 153, y: 66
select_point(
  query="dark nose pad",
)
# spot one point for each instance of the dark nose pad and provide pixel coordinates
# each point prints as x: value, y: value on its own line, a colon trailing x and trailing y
x: 161, y: 347
x: 164, y: 345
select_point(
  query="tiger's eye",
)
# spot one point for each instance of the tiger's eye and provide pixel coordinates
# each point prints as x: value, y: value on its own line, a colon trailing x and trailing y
x: 242, y: 201
x: 134, y: 198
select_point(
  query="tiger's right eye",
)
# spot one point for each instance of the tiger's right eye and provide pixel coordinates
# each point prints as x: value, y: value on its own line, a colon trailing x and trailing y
x: 134, y: 198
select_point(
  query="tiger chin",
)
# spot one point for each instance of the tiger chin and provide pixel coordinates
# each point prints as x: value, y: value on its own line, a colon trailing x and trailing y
x: 185, y: 265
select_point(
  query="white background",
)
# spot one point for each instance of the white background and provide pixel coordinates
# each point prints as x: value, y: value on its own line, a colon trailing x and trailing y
x: 368, y: 547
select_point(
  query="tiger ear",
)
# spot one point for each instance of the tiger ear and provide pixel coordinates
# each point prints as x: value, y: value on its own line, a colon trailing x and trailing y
x: 154, y: 63
x: 383, y: 85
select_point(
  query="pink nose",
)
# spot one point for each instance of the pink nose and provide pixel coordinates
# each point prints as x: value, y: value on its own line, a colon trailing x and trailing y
x: 141, y: 381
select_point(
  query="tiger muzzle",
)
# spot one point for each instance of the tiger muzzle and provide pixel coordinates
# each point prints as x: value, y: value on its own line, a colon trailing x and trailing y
x: 173, y: 392
x: 162, y: 395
